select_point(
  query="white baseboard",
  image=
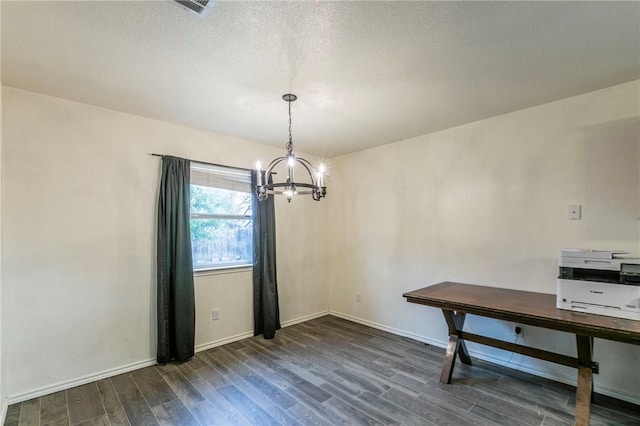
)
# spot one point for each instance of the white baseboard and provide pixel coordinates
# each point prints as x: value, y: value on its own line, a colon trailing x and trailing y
x: 68, y: 384
x: 570, y: 380
x: 247, y: 334
x: 220, y: 342
x: 45, y: 390
x: 35, y: 393
x: 566, y: 379
x: 304, y: 319
x: 391, y: 330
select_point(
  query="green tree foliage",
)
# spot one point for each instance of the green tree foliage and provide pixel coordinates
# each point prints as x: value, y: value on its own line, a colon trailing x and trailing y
x: 209, y: 200
x: 220, y: 240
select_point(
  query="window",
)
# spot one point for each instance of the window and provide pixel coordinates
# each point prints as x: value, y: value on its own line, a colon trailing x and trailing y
x: 221, y: 228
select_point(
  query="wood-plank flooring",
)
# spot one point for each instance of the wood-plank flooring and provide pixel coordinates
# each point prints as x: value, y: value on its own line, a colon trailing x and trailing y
x: 323, y: 372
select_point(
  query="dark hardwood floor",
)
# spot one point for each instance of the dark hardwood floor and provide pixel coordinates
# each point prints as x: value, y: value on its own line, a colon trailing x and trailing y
x: 323, y: 372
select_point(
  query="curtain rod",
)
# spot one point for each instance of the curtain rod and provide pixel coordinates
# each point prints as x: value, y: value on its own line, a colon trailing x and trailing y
x: 208, y: 164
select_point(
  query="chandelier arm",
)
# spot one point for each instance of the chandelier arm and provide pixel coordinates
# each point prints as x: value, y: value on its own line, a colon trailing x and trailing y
x: 286, y: 185
x: 273, y: 164
x: 307, y: 165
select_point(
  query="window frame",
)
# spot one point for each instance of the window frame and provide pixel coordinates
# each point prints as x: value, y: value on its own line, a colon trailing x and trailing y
x: 226, y: 267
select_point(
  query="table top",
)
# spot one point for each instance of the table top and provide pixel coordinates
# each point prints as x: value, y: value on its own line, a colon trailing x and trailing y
x: 524, y: 307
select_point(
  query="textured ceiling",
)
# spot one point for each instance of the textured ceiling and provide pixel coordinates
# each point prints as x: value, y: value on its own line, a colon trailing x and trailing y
x: 366, y: 73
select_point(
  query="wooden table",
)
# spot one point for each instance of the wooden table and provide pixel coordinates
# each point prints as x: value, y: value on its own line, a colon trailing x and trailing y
x: 524, y: 307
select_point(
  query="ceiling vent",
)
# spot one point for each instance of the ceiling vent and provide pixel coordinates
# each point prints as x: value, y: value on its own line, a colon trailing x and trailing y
x: 201, y: 7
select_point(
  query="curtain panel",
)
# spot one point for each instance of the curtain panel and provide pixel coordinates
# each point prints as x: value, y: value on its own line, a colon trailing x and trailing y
x: 266, y: 313
x: 175, y: 293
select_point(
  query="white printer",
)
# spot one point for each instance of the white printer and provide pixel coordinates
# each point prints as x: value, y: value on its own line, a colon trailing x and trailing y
x: 599, y: 282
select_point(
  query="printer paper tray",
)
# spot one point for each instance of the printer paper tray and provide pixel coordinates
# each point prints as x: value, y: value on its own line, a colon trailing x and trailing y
x: 598, y: 298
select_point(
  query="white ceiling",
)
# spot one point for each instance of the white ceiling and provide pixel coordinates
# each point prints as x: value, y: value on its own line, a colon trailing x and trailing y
x: 366, y: 73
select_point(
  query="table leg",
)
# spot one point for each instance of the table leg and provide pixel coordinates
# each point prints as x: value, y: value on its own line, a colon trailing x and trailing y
x: 584, y: 391
x: 449, y: 359
x: 456, y: 345
x: 463, y: 353
x: 583, y: 396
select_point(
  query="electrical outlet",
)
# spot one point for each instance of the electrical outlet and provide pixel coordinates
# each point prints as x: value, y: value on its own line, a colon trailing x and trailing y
x: 518, y: 331
x: 357, y: 297
x: 215, y: 314
x: 574, y: 212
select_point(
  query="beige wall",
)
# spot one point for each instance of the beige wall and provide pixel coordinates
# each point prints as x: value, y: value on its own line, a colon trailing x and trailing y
x: 79, y: 219
x: 484, y: 203
x: 487, y: 203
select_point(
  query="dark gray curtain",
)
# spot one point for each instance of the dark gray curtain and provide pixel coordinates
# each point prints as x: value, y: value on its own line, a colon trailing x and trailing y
x: 266, y: 313
x: 176, y: 302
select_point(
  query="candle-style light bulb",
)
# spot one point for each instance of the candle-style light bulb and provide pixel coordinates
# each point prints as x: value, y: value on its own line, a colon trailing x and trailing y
x: 291, y: 161
x: 321, y: 175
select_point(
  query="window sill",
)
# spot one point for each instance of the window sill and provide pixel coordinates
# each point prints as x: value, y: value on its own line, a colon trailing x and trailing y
x: 222, y: 270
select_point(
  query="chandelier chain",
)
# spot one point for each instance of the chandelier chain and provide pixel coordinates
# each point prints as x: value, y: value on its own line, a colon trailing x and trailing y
x: 290, y: 142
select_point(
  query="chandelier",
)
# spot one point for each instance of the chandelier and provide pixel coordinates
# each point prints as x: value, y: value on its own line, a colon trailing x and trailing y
x: 313, y: 186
